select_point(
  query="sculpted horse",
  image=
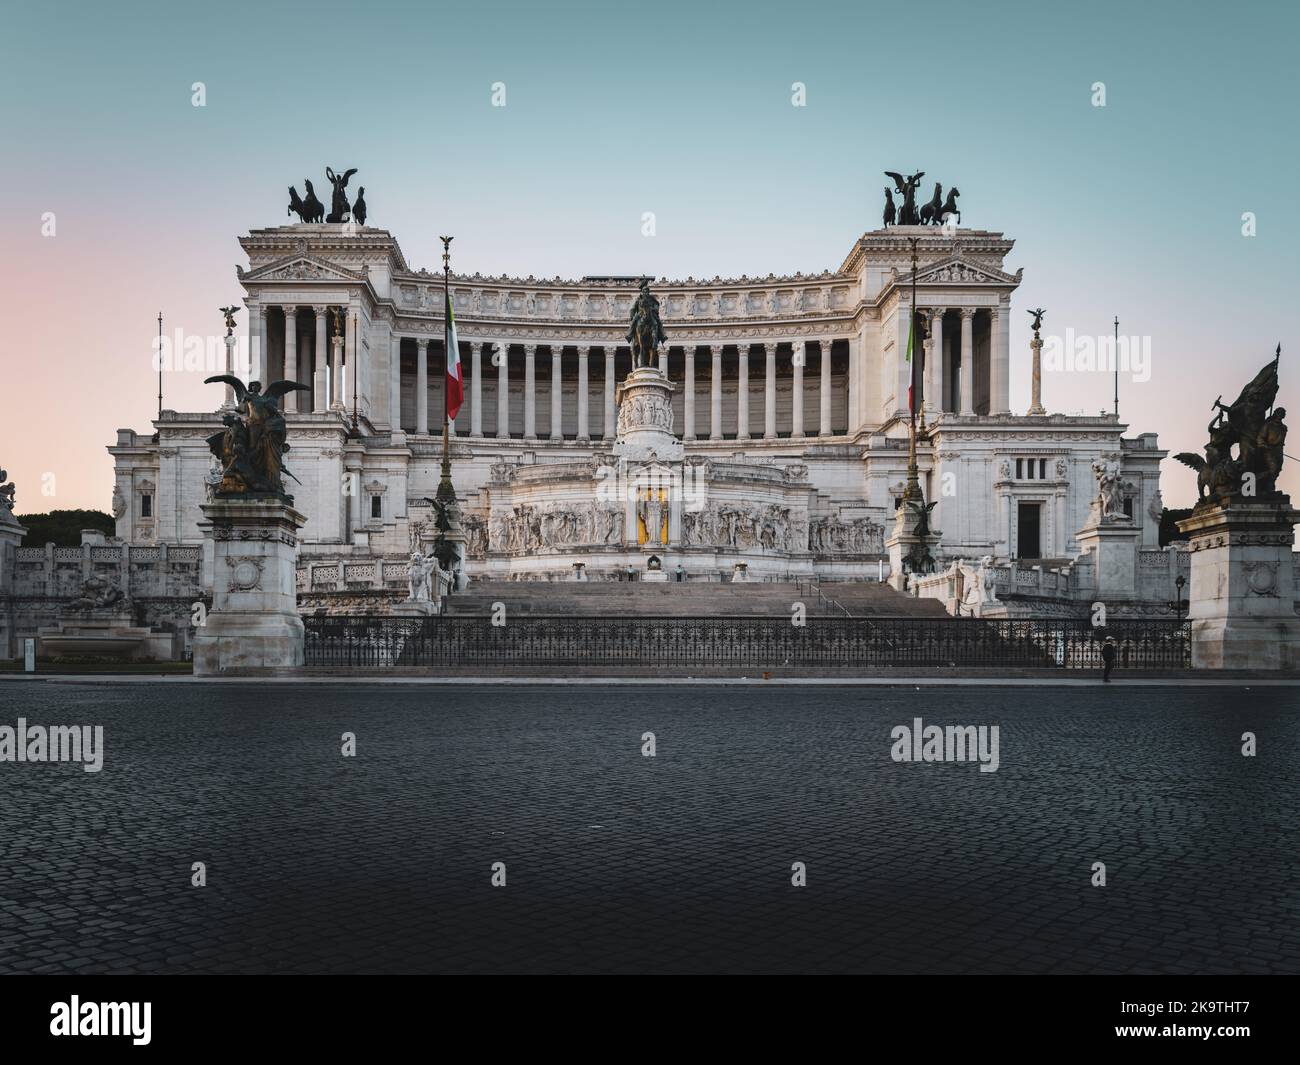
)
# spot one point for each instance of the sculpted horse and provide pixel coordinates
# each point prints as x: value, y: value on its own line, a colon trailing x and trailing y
x: 315, y: 209
x: 930, y: 211
x: 949, y: 207
x: 296, y: 205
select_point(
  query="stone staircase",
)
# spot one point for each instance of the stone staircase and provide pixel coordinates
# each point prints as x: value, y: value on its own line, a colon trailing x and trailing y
x: 700, y: 599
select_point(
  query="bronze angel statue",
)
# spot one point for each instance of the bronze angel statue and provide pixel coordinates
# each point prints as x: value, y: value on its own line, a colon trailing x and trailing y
x: 251, y: 447
x: 1259, y: 433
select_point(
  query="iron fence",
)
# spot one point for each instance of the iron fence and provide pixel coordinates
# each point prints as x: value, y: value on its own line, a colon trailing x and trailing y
x: 724, y: 643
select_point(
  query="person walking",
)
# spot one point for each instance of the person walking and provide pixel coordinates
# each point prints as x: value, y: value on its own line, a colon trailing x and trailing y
x: 1107, y: 658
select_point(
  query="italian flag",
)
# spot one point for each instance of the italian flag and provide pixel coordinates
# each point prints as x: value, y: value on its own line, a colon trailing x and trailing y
x: 911, y: 377
x: 455, y: 377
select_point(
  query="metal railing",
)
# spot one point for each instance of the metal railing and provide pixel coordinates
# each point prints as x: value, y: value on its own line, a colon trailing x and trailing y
x: 662, y: 642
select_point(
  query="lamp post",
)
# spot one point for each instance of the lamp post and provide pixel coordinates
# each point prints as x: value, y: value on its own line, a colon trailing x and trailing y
x: 1179, y: 581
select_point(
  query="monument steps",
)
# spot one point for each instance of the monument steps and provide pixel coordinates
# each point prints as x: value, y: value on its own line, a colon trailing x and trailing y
x: 686, y: 599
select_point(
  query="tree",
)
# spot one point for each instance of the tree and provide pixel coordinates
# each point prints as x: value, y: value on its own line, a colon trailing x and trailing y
x: 1169, y: 528
x: 62, y: 528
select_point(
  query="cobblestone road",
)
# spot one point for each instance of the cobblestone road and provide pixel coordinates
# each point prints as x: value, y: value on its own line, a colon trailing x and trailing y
x: 682, y: 862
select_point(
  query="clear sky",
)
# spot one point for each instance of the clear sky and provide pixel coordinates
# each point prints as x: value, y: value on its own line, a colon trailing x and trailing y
x: 614, y: 109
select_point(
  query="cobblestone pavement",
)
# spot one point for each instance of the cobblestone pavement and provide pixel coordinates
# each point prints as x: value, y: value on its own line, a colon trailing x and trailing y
x: 681, y: 862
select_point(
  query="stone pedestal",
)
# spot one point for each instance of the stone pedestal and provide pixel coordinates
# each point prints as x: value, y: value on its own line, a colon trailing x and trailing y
x: 1113, y: 544
x: 1243, y: 586
x: 908, y: 548
x: 254, y: 622
x: 645, y: 418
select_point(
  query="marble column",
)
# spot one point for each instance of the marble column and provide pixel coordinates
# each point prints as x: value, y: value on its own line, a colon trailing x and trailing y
x: 259, y: 363
x: 769, y: 394
x: 319, y: 359
x: 291, y: 355
x: 584, y: 432
x: 796, y: 398
x: 503, y: 391
x: 742, y: 393
x: 934, y: 365
x: 688, y: 395
x: 421, y: 387
x: 967, y: 404
x: 824, y: 392
x: 476, y: 389
x: 530, y: 392
x: 715, y: 394
x: 609, y: 391
x: 999, y: 363
x: 394, y: 382
x: 557, y: 392
x: 336, y: 371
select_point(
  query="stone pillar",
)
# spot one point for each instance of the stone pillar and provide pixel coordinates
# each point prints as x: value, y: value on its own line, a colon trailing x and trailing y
x: 609, y: 391
x: 742, y: 394
x: 476, y: 390
x: 769, y: 396
x: 530, y: 392
x: 967, y: 404
x: 557, y: 392
x: 934, y: 364
x: 800, y: 356
x: 1243, y: 585
x: 584, y: 431
x: 1036, y: 383
x: 824, y: 393
x: 259, y: 367
x: 688, y: 395
x: 715, y: 394
x: 290, y: 355
x: 394, y: 381
x: 503, y: 391
x: 421, y: 386
x: 254, y: 622
x: 318, y: 374
x: 336, y: 372
x: 999, y: 362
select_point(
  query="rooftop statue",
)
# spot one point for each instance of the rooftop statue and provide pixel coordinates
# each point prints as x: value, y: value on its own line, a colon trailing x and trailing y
x: 1259, y: 433
x: 251, y: 447
x: 339, y: 208
x: 647, y: 331
x: 907, y: 186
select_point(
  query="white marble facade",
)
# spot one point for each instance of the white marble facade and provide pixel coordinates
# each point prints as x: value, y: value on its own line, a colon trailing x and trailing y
x: 794, y: 386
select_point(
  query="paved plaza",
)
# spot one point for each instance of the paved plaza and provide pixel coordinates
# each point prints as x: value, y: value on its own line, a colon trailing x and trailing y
x: 677, y: 863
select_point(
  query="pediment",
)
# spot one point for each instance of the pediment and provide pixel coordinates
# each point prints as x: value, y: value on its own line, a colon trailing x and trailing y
x: 300, y: 268
x: 958, y: 271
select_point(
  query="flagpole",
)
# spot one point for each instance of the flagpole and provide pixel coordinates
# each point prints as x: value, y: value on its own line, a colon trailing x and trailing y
x: 1117, y: 367
x: 446, y: 491
x: 913, y: 489
x: 160, y: 373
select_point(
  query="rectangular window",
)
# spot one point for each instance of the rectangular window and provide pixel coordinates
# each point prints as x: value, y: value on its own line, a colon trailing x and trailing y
x: 1020, y: 468
x: 146, y: 505
x: 1042, y: 469
x: 376, y: 506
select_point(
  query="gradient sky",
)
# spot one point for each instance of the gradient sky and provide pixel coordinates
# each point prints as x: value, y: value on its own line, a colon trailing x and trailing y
x: 614, y: 109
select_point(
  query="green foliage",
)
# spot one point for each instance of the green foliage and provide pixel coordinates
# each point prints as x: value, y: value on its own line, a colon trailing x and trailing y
x: 1169, y: 529
x: 63, y: 527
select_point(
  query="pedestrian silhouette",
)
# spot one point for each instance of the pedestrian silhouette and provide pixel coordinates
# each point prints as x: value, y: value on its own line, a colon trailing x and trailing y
x: 1107, y: 658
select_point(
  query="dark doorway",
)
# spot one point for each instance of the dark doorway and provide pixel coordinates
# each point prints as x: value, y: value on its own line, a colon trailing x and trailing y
x: 1027, y: 543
